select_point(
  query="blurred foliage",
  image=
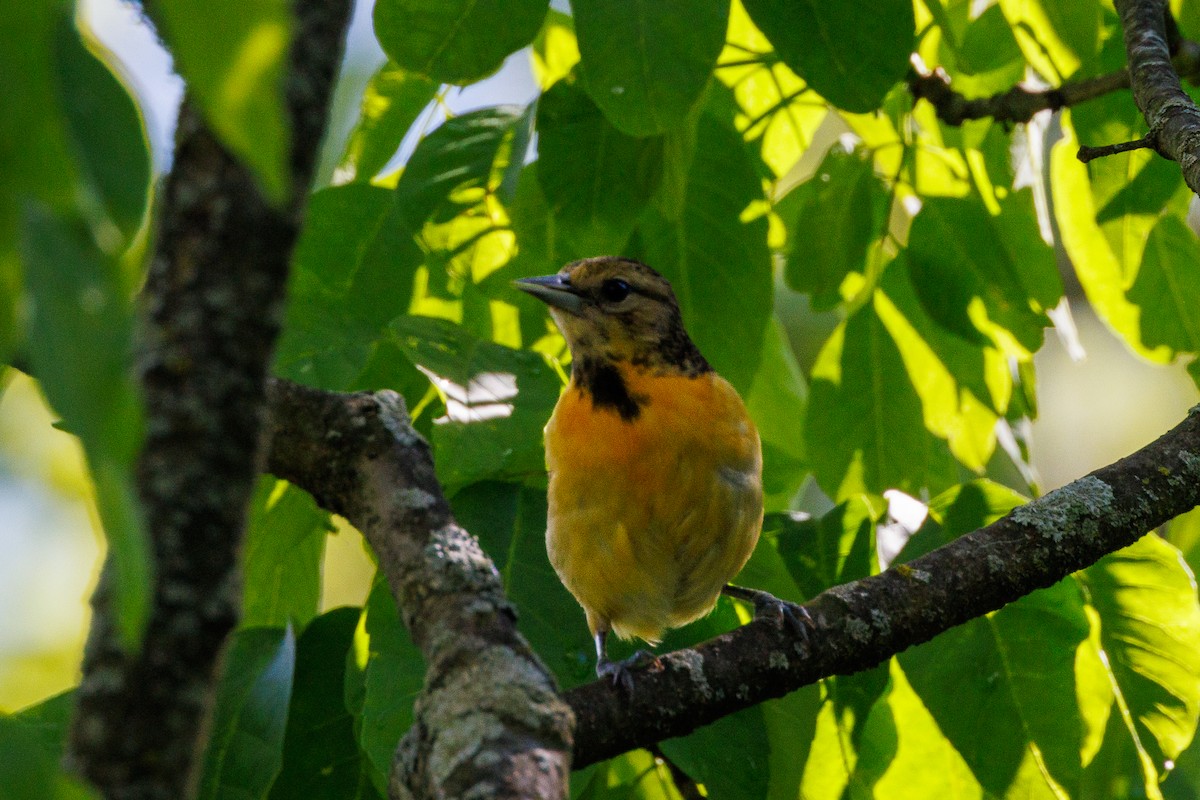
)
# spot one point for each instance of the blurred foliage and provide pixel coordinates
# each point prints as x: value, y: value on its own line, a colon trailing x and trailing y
x: 749, y: 151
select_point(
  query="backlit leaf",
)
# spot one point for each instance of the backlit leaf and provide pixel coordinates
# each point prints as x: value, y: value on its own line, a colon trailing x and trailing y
x: 282, y: 555
x: 1150, y: 630
x: 391, y: 103
x: 233, y: 55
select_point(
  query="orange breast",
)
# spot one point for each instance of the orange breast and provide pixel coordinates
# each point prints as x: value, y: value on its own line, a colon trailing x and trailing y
x: 650, y: 517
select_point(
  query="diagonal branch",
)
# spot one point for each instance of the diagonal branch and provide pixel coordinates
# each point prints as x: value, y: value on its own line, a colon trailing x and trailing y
x: 490, y: 721
x: 865, y: 622
x: 1173, y: 118
x: 210, y: 315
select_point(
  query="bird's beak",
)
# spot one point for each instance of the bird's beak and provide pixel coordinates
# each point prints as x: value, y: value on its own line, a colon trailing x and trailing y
x: 554, y: 290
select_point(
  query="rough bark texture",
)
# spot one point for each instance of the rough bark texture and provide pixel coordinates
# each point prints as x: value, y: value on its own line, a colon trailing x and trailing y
x: 489, y: 723
x: 211, y: 311
x: 860, y: 624
x: 1173, y: 118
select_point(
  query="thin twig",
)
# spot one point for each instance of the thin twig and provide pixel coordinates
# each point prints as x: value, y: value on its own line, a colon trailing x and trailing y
x: 1087, y: 154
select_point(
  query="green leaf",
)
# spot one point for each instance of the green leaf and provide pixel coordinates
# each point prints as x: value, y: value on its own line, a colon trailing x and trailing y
x: 1150, y: 630
x: 233, y: 55
x: 840, y: 214
x: 1106, y: 249
x: 850, y: 53
x: 382, y: 681
x: 458, y: 164
x: 988, y: 44
x: 1167, y: 288
x: 353, y: 272
x: 282, y: 556
x: 106, y: 131
x: 79, y: 347
x: 321, y: 759
x: 1002, y: 689
x: 595, y: 200
x: 391, y: 103
x: 28, y: 771
x: 498, y: 400
x: 830, y: 550
x: 245, y: 747
x: 456, y: 41
x: 35, y: 156
x: 963, y: 386
x: 776, y: 399
x: 967, y: 280
x: 960, y: 509
x: 1057, y: 38
x: 865, y: 426
x: 647, y: 64
x: 716, y: 255
x: 729, y: 757
x: 510, y: 523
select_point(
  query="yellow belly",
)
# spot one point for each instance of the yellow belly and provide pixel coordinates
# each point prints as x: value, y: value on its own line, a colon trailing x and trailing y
x: 649, y: 518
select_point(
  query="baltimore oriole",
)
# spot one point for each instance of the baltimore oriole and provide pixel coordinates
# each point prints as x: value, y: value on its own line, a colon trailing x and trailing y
x: 655, y: 493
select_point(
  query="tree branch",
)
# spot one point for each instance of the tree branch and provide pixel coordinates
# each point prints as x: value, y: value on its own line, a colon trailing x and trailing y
x: 1017, y: 104
x: 490, y: 722
x: 210, y: 315
x: 1173, y: 118
x: 865, y: 622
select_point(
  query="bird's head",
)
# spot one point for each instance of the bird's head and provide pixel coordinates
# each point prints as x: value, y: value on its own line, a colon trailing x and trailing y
x: 618, y: 310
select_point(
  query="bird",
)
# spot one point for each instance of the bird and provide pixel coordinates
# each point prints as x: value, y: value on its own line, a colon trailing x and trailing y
x: 654, y: 499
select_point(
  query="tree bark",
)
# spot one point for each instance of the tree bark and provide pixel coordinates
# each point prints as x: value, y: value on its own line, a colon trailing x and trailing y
x: 490, y: 722
x: 210, y: 314
x: 1173, y: 118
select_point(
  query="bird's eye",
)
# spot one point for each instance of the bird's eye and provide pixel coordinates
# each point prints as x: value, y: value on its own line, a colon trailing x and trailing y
x: 614, y: 290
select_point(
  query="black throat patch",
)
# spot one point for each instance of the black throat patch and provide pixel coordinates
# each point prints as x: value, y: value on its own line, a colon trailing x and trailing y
x: 603, y: 383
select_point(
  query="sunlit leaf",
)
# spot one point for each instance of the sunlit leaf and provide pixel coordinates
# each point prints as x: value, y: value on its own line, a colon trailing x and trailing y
x: 965, y: 276
x: 1057, y: 38
x: 1167, y: 288
x: 281, y: 561
x: 455, y: 41
x: 245, y: 747
x: 1002, y: 689
x: 233, y: 56
x: 391, y: 103
x: 865, y: 425
x: 850, y: 53
x: 716, y: 255
x: 1106, y: 257
x: 646, y: 64
x: 1150, y: 630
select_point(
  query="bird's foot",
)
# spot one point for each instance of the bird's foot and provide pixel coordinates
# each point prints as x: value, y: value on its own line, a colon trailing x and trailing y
x: 796, y: 617
x: 621, y: 672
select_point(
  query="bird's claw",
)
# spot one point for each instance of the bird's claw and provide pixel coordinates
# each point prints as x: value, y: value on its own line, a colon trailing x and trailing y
x: 621, y: 672
x: 794, y: 616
